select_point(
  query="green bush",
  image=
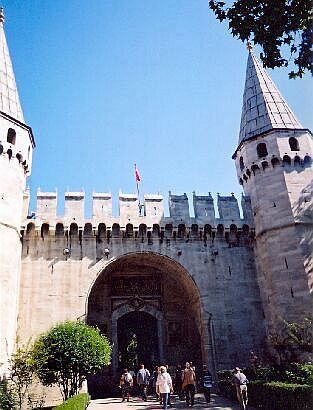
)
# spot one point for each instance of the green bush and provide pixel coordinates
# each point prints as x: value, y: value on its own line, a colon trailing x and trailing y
x: 274, y: 388
x: 299, y: 373
x: 7, y: 397
x: 69, y: 352
x: 279, y: 396
x: 78, y: 402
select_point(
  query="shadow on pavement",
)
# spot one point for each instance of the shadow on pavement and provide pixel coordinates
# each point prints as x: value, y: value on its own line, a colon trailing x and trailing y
x: 135, y: 403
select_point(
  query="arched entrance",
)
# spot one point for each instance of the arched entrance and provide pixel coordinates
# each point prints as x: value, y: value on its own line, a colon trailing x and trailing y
x: 147, y: 299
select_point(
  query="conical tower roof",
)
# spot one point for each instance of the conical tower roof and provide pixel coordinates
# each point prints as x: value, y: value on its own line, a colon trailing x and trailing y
x: 9, y: 99
x: 263, y: 108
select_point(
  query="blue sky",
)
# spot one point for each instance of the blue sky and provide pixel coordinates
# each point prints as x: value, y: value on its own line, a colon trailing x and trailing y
x: 107, y: 83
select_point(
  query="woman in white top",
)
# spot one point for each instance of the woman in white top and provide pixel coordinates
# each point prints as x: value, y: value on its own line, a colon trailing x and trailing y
x: 164, y: 385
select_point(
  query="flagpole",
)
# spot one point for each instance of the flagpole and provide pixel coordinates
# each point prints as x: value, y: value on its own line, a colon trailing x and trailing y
x: 137, y: 184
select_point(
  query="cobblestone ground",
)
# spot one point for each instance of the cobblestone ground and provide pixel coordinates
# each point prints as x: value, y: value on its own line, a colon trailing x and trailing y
x: 217, y: 403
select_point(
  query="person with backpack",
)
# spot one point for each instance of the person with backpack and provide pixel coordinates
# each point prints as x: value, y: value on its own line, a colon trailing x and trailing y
x: 207, y: 383
x: 143, y: 376
x: 126, y: 382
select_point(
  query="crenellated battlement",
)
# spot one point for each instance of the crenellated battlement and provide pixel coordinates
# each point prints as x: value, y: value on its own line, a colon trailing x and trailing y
x: 136, y: 218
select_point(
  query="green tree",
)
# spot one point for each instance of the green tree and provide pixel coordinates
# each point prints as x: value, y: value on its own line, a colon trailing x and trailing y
x: 68, y: 353
x: 8, y: 399
x: 21, y: 375
x: 280, y: 27
x: 292, y: 342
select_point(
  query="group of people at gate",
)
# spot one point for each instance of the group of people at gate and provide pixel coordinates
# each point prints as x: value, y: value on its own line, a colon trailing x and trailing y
x: 160, y: 383
x: 184, y: 383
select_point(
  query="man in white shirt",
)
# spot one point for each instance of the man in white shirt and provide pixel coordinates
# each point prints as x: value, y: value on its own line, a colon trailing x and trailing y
x: 164, y: 385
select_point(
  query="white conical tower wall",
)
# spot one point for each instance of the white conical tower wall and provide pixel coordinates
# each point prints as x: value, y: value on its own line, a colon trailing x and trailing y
x: 16, y: 146
x: 274, y: 168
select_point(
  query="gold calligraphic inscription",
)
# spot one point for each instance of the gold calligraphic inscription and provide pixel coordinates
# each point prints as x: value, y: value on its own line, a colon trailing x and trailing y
x: 135, y: 285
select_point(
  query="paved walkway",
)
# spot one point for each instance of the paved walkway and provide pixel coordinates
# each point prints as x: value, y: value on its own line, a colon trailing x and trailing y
x: 217, y: 403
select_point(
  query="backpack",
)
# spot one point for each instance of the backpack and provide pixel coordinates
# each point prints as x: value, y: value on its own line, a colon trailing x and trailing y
x: 127, y: 379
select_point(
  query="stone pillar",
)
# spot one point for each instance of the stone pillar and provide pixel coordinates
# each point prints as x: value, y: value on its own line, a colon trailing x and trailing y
x: 209, y: 349
x: 114, y: 346
x: 161, y: 339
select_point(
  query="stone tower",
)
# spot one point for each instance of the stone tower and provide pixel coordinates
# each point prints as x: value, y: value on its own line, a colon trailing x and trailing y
x: 16, y: 146
x: 274, y: 165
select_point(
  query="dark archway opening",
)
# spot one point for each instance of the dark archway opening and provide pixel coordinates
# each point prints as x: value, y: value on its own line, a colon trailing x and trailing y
x: 137, y: 335
x: 150, y: 310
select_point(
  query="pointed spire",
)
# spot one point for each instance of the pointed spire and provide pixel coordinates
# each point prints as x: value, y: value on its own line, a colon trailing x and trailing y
x: 263, y: 108
x: 9, y: 99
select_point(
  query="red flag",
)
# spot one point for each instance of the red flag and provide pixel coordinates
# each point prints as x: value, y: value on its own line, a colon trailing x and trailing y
x: 137, y: 176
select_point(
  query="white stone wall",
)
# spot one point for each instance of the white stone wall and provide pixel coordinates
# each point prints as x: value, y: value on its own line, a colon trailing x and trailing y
x: 280, y: 189
x: 13, y: 173
x: 55, y: 287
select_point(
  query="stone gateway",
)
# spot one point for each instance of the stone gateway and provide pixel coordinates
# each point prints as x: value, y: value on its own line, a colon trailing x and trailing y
x: 163, y: 289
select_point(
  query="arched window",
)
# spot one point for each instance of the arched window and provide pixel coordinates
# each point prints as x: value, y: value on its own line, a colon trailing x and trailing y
x: 73, y: 229
x: 307, y: 161
x: 115, y: 230
x: 264, y: 165
x: 168, y: 230
x: 208, y: 230
x: 275, y: 162
x: 233, y: 234
x: 244, y: 177
x: 11, y: 136
x: 44, y: 230
x: 245, y: 229
x: 294, y: 144
x: 101, y: 230
x: 220, y: 230
x: 286, y: 160
x: 297, y: 161
x: 88, y: 229
x: 261, y: 150
x: 59, y: 229
x: 233, y: 228
x: 194, y: 230
x: 248, y: 173
x: 30, y: 230
x: 1, y: 149
x: 142, y: 230
x: 181, y: 231
x: 156, y: 230
x: 241, y: 181
x: 129, y: 231
x: 241, y: 164
x: 255, y: 168
x: 19, y: 157
x: 9, y: 152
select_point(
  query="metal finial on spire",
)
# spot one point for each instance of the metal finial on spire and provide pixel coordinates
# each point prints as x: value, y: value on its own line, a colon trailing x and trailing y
x: 249, y: 46
x: 1, y: 15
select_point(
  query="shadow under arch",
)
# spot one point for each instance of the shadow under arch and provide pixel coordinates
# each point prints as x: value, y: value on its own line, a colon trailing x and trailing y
x: 160, y: 286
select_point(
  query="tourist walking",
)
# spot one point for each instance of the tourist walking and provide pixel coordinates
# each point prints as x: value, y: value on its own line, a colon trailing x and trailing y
x: 207, y: 383
x: 164, y: 386
x: 143, y: 381
x: 126, y: 382
x: 189, y: 384
x: 240, y: 381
